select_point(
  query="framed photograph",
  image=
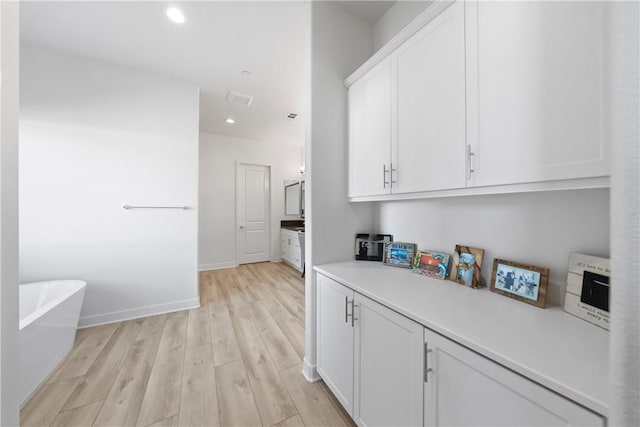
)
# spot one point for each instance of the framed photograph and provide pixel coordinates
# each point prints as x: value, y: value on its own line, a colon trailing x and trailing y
x: 432, y: 264
x: 587, y: 295
x: 526, y: 283
x: 370, y: 247
x: 399, y: 254
x: 466, y: 266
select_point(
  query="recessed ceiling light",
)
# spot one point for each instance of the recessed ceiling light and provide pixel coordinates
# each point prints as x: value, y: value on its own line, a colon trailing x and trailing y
x: 175, y: 14
x: 246, y: 72
x: 230, y: 120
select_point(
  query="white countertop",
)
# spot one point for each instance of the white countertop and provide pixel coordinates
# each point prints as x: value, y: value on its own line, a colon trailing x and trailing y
x: 553, y: 348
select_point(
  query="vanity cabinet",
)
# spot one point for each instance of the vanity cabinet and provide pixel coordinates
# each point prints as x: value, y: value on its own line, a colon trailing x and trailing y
x: 485, y: 97
x: 369, y: 356
x: 290, y: 248
x: 463, y: 388
x: 537, y: 91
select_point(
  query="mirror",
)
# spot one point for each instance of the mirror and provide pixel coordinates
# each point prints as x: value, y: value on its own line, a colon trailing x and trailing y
x: 292, y: 198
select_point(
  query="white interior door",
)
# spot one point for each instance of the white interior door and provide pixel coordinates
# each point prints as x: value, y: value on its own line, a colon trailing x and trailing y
x: 253, y: 206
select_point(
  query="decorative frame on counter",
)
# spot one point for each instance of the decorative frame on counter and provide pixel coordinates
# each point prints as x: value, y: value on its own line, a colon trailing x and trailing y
x: 526, y: 283
x: 399, y: 254
x: 432, y: 264
x: 466, y: 266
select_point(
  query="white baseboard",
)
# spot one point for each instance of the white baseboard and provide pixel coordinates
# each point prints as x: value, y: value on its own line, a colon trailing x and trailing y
x: 135, y: 313
x: 310, y: 373
x: 276, y: 260
x: 217, y: 266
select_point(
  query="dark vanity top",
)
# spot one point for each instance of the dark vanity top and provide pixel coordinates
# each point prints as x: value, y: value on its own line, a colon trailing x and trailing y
x: 293, y: 224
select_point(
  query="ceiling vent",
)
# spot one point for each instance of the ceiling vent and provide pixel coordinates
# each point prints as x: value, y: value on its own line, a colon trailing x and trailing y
x: 291, y: 116
x: 239, y: 98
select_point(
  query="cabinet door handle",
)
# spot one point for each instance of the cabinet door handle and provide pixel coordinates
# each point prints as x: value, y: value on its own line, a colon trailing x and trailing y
x: 353, y: 312
x: 470, y: 169
x: 426, y: 363
x: 346, y: 309
x: 392, y: 169
x: 385, y: 171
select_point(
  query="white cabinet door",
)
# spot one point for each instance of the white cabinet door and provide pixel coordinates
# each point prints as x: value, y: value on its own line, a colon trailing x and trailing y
x: 335, y: 339
x: 370, y: 132
x: 536, y: 90
x: 430, y: 149
x: 388, y: 367
x: 290, y: 249
x: 464, y: 388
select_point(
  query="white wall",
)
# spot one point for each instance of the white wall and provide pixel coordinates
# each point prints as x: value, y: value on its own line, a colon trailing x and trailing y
x: 94, y: 137
x: 533, y: 228
x: 340, y: 43
x: 395, y: 19
x: 218, y: 157
x: 9, y: 38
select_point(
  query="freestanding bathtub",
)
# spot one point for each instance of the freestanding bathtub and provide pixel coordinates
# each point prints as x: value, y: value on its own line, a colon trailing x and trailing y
x: 49, y: 314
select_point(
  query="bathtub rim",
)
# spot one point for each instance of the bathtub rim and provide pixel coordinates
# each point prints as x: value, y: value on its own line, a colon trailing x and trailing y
x: 27, y: 320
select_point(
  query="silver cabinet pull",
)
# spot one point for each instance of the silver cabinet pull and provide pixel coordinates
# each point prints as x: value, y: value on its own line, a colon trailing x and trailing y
x: 385, y: 171
x: 155, y: 207
x: 426, y: 363
x: 470, y: 169
x: 392, y: 169
x: 346, y: 309
x: 353, y: 312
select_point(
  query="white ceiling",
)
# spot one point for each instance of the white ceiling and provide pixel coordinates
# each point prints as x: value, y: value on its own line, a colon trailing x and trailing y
x: 211, y: 49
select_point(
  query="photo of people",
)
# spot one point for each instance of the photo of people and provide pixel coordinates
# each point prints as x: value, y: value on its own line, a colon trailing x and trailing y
x: 465, y: 268
x: 524, y: 283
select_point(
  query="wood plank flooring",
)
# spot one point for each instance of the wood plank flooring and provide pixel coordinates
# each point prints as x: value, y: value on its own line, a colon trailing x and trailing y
x: 235, y: 361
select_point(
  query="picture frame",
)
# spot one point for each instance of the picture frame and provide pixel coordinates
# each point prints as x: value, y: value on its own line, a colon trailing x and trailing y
x: 432, y: 264
x: 370, y: 247
x: 467, y: 266
x: 523, y: 282
x: 588, y: 288
x: 399, y: 254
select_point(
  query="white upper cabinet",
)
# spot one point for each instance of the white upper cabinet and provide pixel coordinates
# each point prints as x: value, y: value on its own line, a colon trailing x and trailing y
x: 536, y: 91
x: 429, y: 153
x: 477, y: 97
x: 370, y: 133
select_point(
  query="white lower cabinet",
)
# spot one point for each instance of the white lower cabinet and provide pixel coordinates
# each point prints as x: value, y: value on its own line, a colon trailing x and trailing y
x: 335, y: 339
x: 290, y: 248
x: 388, y: 366
x: 464, y: 388
x: 371, y: 362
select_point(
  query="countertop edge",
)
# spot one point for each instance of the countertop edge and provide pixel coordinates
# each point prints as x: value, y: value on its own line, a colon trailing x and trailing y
x: 580, y: 397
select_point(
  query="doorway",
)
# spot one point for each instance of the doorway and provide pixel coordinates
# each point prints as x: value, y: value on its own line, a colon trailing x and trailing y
x: 253, y: 208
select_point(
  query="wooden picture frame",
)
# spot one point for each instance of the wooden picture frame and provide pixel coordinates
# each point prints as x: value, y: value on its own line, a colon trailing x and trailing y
x: 399, y: 254
x: 466, y: 266
x: 432, y: 264
x: 523, y: 282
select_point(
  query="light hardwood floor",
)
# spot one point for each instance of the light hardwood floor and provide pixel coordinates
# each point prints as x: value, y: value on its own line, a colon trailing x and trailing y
x: 235, y: 361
